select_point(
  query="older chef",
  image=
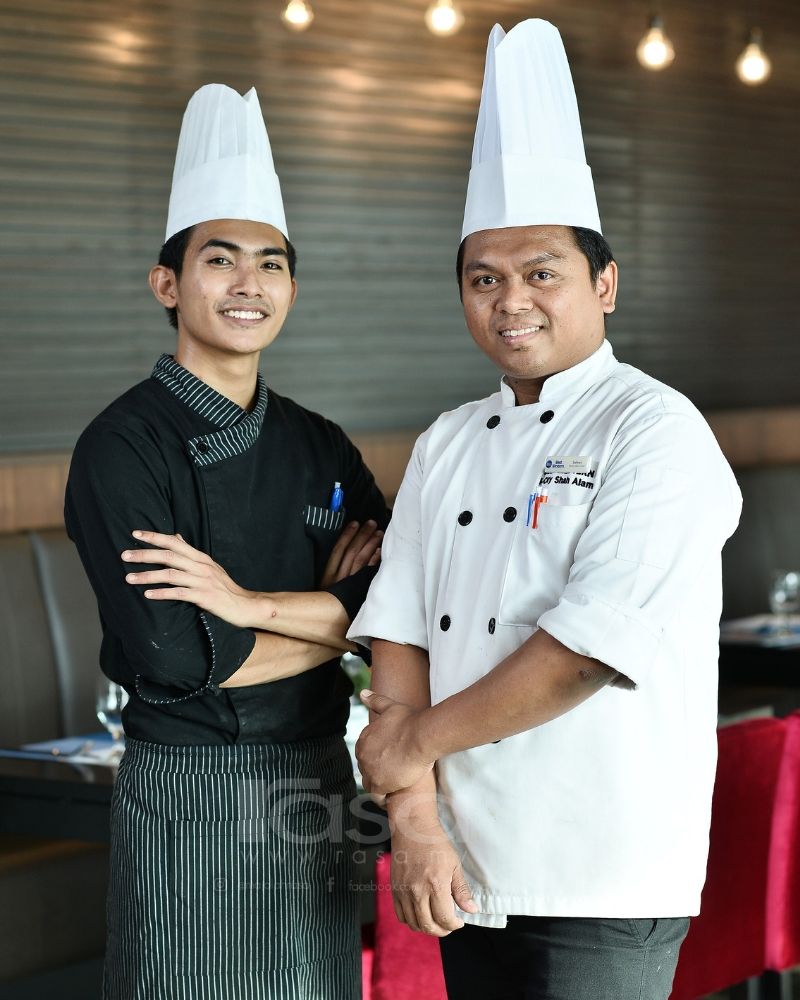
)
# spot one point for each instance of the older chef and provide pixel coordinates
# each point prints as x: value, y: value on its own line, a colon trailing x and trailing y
x: 544, y: 623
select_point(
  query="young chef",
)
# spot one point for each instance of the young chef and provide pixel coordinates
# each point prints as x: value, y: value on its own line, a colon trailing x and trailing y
x: 219, y: 525
x: 544, y: 621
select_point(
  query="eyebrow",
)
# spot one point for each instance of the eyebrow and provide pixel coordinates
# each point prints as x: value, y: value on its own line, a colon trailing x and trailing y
x: 235, y: 248
x: 542, y: 258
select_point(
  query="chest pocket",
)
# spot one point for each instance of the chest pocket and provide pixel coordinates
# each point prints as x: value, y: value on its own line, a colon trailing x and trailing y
x: 323, y: 519
x: 323, y: 528
x: 539, y: 562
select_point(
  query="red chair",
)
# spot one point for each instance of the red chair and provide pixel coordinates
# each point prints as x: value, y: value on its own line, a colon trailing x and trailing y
x: 726, y: 943
x: 406, y: 964
x: 783, y: 882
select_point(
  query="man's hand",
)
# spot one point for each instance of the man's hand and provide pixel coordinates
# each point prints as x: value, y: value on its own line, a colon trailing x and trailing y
x: 355, y: 548
x: 427, y: 877
x: 389, y: 753
x: 190, y: 576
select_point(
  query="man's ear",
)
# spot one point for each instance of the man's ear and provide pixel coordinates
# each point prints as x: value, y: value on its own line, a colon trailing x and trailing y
x: 606, y: 288
x: 294, y: 293
x: 164, y: 285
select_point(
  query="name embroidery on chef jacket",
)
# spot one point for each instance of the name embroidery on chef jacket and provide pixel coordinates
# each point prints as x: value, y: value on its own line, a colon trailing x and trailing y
x: 556, y: 484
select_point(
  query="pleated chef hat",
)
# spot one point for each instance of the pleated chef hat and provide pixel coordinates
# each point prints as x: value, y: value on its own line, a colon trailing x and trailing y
x: 528, y: 162
x: 223, y: 167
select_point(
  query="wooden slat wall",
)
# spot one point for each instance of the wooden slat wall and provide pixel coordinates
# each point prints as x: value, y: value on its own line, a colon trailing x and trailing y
x: 371, y: 120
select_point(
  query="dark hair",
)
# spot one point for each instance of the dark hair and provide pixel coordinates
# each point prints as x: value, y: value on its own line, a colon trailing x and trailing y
x: 591, y: 244
x: 174, y: 251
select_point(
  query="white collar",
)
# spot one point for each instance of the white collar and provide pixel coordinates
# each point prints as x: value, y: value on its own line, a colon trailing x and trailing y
x: 571, y: 381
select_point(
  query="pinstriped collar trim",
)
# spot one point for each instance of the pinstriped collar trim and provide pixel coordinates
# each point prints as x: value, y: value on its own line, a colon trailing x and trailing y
x: 239, y: 429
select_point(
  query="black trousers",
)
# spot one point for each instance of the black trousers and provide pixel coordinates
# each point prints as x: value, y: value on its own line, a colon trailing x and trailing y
x: 564, y: 958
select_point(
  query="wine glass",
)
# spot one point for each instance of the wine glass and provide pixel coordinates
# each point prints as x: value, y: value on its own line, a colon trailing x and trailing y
x: 784, y: 597
x: 111, y: 699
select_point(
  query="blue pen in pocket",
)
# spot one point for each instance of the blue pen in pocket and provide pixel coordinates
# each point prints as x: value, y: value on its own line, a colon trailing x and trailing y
x: 531, y: 502
x: 337, y: 498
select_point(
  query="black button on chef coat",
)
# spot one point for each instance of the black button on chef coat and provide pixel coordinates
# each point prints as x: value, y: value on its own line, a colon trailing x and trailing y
x: 547, y: 416
x: 509, y: 514
x: 444, y: 623
x: 465, y: 518
x: 492, y: 422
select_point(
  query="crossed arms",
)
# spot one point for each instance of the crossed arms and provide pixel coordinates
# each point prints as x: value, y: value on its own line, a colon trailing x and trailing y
x: 294, y: 632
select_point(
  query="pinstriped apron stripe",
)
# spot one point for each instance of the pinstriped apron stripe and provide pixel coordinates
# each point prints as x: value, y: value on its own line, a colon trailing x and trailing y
x: 231, y: 874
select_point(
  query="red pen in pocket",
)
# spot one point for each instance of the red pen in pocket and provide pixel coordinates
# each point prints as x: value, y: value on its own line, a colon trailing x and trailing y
x: 534, y: 502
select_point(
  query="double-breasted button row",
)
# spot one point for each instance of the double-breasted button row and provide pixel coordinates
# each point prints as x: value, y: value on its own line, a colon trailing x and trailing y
x: 445, y: 622
x: 545, y: 418
x: 465, y: 517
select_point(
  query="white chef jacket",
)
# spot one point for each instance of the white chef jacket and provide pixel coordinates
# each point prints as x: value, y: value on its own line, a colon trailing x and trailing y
x: 603, y: 812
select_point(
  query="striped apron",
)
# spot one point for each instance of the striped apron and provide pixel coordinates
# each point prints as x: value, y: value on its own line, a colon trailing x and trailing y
x: 231, y: 874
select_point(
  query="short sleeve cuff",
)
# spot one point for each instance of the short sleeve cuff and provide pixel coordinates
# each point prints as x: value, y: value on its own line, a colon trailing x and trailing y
x: 230, y: 647
x: 394, y: 609
x: 622, y: 637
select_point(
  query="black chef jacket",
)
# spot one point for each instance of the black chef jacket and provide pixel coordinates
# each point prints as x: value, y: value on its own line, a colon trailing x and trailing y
x: 253, y: 491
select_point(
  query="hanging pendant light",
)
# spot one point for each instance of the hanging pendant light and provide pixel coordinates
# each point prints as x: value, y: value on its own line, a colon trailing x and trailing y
x: 655, y: 51
x: 753, y: 66
x: 443, y: 17
x: 298, y: 15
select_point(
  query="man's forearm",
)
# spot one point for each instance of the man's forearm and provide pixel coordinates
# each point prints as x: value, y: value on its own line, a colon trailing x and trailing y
x: 275, y: 657
x: 403, y: 673
x: 315, y: 616
x: 540, y: 681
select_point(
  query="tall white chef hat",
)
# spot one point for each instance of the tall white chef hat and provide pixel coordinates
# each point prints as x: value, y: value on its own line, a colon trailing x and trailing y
x: 223, y: 167
x: 528, y: 162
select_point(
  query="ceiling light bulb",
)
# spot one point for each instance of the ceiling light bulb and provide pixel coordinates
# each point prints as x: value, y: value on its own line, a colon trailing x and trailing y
x: 655, y: 50
x: 753, y: 66
x: 298, y: 15
x: 443, y: 17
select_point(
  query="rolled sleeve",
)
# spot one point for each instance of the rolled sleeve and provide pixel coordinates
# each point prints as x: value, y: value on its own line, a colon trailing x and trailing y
x: 621, y: 637
x: 395, y: 606
x: 667, y: 504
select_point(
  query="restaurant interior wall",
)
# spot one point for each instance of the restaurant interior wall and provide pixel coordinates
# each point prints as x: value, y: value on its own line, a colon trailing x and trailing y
x: 371, y: 119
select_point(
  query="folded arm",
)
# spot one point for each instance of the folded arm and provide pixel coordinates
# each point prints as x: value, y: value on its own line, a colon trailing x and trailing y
x: 192, y: 576
x: 275, y: 657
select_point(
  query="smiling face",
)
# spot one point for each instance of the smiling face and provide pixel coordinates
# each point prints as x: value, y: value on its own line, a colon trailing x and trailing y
x: 530, y: 303
x: 233, y: 293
